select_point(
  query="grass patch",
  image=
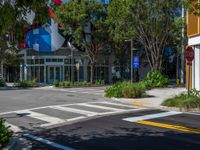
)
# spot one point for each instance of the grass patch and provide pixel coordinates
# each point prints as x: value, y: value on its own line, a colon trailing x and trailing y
x: 183, y: 102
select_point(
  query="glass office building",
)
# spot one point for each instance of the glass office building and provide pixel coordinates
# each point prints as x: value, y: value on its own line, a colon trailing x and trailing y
x: 62, y: 65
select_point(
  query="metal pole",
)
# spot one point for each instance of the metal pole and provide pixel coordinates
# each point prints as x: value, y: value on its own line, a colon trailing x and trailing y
x: 182, y: 46
x: 131, y: 60
x: 189, y: 79
x: 25, y: 65
x: 78, y: 76
x: 72, y: 65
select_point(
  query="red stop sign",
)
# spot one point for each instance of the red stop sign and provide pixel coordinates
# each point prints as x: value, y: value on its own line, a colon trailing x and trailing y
x: 189, y: 54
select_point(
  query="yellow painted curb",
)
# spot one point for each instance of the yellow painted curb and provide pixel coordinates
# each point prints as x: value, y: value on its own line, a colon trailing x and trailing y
x: 169, y: 126
x: 137, y: 103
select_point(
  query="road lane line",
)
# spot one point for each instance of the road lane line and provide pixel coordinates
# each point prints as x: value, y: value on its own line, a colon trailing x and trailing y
x: 51, y: 120
x: 152, y: 116
x: 77, y: 111
x: 47, y: 142
x: 169, y: 126
x: 101, y: 107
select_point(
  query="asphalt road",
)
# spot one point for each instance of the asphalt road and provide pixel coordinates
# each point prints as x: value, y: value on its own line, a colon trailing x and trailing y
x: 112, y: 133
x: 82, y: 119
x: 11, y: 100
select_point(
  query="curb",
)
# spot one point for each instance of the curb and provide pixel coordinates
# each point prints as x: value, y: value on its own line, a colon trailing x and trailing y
x: 160, y: 107
x: 18, y: 143
x: 12, y: 145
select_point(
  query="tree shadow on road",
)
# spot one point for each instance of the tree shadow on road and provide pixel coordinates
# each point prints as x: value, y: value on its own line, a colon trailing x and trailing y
x: 124, y: 136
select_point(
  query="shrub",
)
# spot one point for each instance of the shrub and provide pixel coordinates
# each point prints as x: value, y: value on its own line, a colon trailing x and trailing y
x: 76, y: 84
x: 26, y: 83
x: 183, y: 101
x: 99, y: 82
x: 126, y: 90
x: 56, y: 83
x: 5, y: 134
x: 2, y: 83
x: 133, y: 90
x: 156, y: 79
x: 115, y: 90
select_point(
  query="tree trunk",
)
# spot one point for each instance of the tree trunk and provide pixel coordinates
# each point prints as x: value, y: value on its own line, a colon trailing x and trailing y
x: 2, y: 75
x: 91, y: 72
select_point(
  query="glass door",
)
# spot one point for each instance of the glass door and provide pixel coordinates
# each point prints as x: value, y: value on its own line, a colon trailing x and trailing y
x: 51, y: 74
x: 58, y: 75
x: 54, y: 73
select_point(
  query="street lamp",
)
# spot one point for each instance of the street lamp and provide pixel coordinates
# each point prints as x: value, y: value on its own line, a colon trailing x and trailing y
x: 72, y: 63
x: 132, y: 49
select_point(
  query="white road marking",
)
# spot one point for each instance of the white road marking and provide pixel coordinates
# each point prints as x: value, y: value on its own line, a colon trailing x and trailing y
x: 122, y: 111
x: 101, y: 107
x: 13, y: 127
x: 84, y: 113
x: 51, y: 120
x: 84, y: 91
x: 76, y: 118
x: 192, y: 113
x: 48, y: 106
x: 47, y: 142
x: 152, y: 116
x: 74, y: 110
x: 118, y: 104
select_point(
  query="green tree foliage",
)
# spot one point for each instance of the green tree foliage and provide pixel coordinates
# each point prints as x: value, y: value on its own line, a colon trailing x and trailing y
x: 12, y: 21
x: 151, y: 23
x: 5, y: 134
x: 193, y: 6
x: 85, y: 21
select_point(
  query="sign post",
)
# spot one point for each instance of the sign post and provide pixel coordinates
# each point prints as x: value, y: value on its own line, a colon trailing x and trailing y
x: 78, y: 68
x: 132, y: 61
x: 136, y: 66
x: 189, y: 57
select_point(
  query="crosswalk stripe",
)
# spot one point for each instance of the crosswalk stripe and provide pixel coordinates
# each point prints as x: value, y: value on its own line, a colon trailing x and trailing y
x: 76, y: 118
x: 51, y: 120
x: 100, y: 107
x: 152, y: 116
x: 78, y: 111
x: 117, y: 104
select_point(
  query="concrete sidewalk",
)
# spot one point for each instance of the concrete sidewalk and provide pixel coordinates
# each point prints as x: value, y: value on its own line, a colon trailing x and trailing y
x: 154, y: 98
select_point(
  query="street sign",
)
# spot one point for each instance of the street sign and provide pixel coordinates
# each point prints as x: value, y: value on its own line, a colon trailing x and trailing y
x: 189, y: 54
x: 24, y: 65
x: 136, y: 62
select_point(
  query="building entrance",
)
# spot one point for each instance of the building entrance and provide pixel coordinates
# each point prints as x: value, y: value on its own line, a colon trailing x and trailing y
x: 55, y: 73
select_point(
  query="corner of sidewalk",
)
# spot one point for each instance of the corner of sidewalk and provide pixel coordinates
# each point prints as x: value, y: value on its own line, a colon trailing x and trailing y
x: 155, y: 97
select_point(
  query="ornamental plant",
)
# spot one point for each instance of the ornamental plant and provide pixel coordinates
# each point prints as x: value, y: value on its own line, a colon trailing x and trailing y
x: 156, y: 79
x: 2, y: 83
x: 26, y: 83
x: 126, y: 90
x: 5, y: 134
